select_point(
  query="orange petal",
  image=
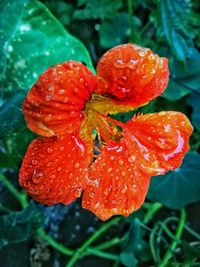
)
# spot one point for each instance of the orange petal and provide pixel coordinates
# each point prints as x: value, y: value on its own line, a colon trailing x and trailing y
x: 54, y: 104
x: 115, y: 184
x: 54, y: 170
x: 131, y: 75
x: 159, y: 141
x: 151, y: 144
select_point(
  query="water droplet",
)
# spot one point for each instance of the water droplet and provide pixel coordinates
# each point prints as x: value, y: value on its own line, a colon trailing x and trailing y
x: 34, y: 162
x: 62, y: 148
x: 124, y: 189
x: 123, y: 173
x: 121, y: 162
x: 112, y: 157
x: 124, y: 78
x: 49, y: 164
x: 66, y: 99
x: 131, y: 158
x: 77, y: 165
x: 162, y: 113
x: 61, y: 92
x: 48, y: 97
x: 59, y: 169
x: 37, y: 176
x: 49, y: 150
x: 141, y: 53
x: 109, y: 169
x: 106, y: 191
x: 91, y: 194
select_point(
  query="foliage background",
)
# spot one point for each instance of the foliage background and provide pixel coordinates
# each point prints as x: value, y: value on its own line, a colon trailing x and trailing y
x: 35, y: 35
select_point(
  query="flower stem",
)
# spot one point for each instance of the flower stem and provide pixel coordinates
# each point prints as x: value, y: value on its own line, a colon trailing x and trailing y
x: 174, y: 243
x: 102, y: 254
x: 53, y: 243
x: 90, y: 240
x: 152, y: 209
x: 110, y: 243
x: 21, y: 197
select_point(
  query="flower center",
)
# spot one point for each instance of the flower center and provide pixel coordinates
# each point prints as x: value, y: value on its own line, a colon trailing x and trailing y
x: 97, y: 124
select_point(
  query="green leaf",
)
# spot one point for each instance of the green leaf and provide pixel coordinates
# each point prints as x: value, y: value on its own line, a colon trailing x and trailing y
x: 15, y: 146
x: 92, y: 9
x: 134, y: 247
x: 180, y: 187
x: 34, y: 40
x: 175, y: 91
x: 11, y: 116
x: 174, y: 20
x: 184, y: 78
x: 115, y: 31
x: 19, y: 226
x: 194, y: 101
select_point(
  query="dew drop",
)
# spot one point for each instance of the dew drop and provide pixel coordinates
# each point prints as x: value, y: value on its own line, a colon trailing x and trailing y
x: 141, y: 53
x: 77, y: 165
x: 106, y: 191
x: 61, y: 92
x: 131, y: 158
x: 49, y: 164
x: 109, y: 169
x: 34, y: 162
x: 162, y: 113
x: 121, y: 162
x: 59, y: 169
x: 48, y: 97
x: 62, y: 148
x: 49, y: 150
x: 37, y: 176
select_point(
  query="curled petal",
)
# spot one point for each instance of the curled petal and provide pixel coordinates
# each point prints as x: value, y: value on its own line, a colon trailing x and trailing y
x: 131, y: 75
x: 159, y: 141
x: 115, y: 185
x: 54, y: 104
x: 54, y: 170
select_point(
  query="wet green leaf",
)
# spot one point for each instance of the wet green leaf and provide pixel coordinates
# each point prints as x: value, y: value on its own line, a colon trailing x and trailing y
x: 115, y: 31
x: 174, y: 21
x: 184, y: 78
x: 134, y: 247
x: 194, y: 101
x: 34, y: 40
x: 11, y: 116
x: 180, y: 187
x: 19, y: 226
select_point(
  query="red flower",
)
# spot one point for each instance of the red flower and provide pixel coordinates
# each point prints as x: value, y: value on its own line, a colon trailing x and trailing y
x: 69, y: 107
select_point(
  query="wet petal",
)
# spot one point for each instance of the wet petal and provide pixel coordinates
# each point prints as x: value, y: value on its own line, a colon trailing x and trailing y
x: 115, y: 185
x: 131, y: 75
x: 159, y: 141
x: 54, y: 170
x: 54, y: 104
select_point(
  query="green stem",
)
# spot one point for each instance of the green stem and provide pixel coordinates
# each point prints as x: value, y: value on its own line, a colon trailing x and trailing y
x: 90, y: 240
x: 53, y: 243
x: 151, y: 212
x: 130, y: 11
x: 192, y: 232
x: 102, y: 254
x: 174, y: 243
x: 21, y: 197
x: 110, y: 243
